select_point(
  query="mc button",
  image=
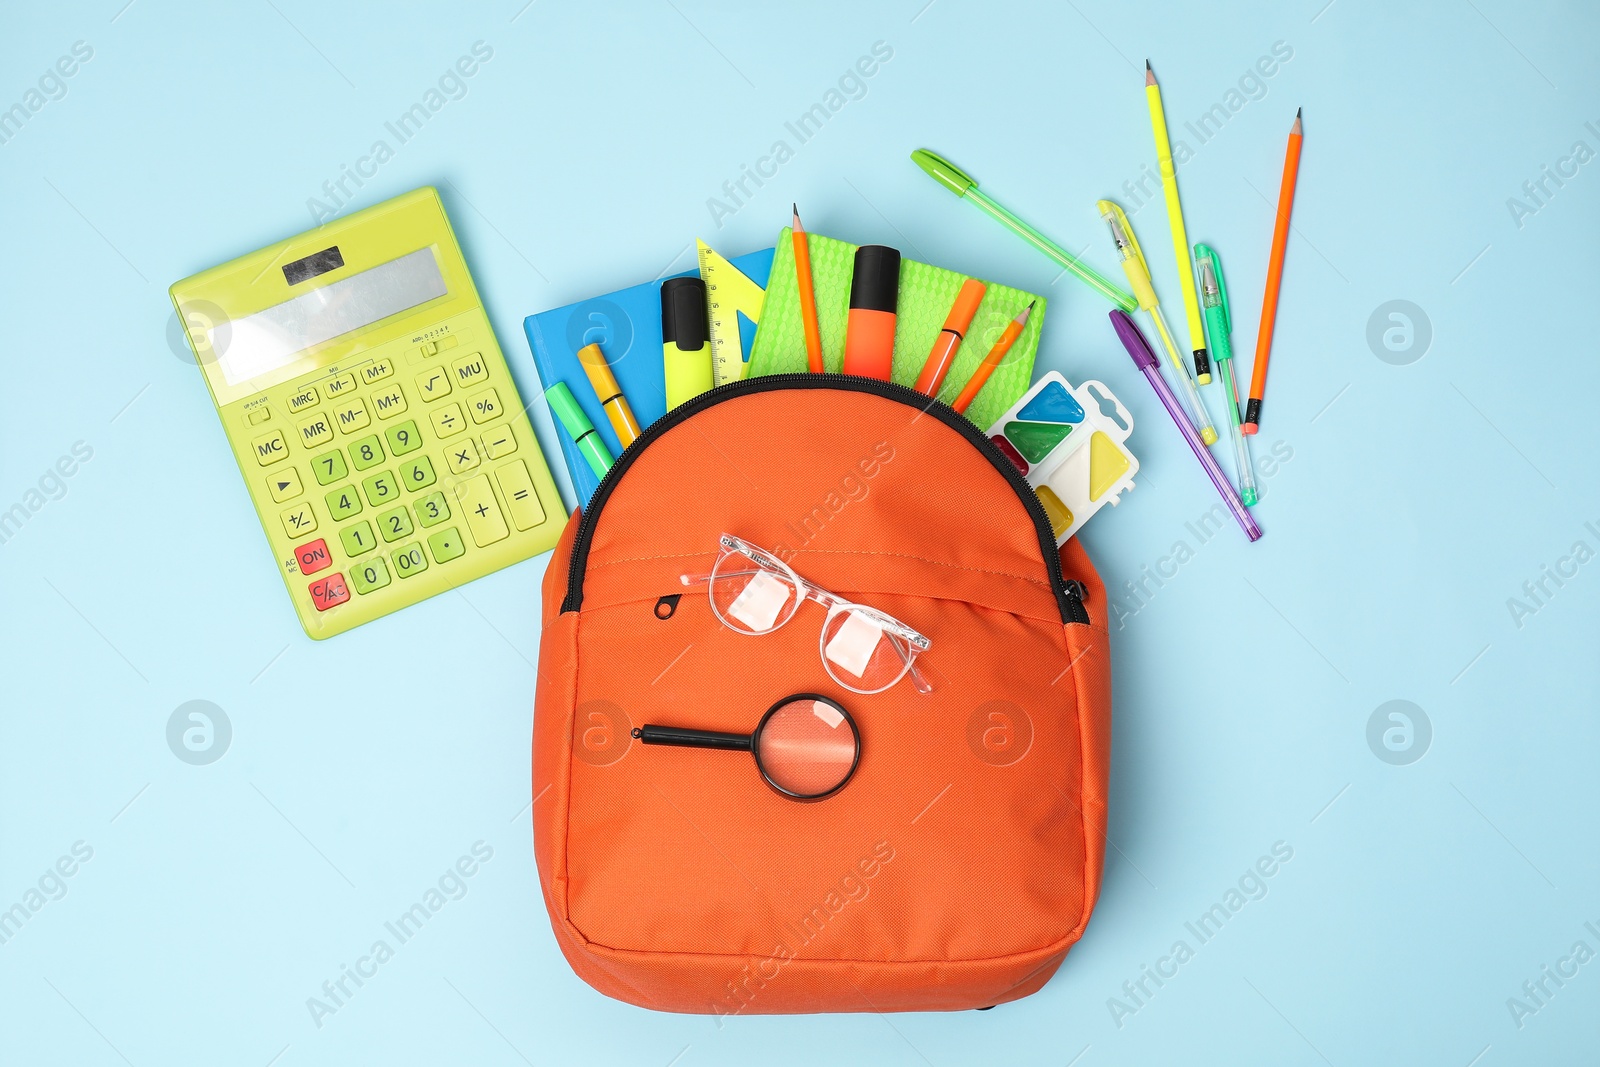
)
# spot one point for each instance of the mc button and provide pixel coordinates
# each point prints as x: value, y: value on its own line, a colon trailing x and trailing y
x: 270, y: 448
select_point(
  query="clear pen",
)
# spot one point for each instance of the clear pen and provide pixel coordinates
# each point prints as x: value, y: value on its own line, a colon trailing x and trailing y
x: 1133, y: 264
x: 1219, y: 322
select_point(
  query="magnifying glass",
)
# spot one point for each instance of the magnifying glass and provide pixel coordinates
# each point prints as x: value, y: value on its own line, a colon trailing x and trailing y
x: 806, y: 746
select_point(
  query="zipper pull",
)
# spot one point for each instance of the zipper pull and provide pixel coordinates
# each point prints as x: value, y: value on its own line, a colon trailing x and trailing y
x: 1077, y: 597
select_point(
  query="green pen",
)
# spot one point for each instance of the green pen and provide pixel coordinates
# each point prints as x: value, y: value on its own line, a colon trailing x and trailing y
x: 963, y: 185
x: 1219, y: 322
x: 579, y: 428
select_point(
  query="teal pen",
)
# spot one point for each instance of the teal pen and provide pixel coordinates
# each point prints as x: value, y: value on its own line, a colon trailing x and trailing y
x: 1219, y: 323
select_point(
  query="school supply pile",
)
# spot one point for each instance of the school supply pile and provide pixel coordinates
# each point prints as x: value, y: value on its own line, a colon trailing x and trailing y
x: 852, y: 557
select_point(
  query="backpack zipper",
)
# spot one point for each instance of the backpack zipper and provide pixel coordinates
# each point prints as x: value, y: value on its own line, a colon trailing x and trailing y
x: 1070, y: 595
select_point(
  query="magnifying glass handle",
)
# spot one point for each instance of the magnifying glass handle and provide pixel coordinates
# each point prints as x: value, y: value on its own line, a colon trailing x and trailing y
x: 677, y: 735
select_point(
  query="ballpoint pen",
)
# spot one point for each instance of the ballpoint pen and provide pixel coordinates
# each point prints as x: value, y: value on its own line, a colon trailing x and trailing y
x: 1145, y: 360
x: 963, y: 185
x: 1219, y: 322
x: 1138, y: 272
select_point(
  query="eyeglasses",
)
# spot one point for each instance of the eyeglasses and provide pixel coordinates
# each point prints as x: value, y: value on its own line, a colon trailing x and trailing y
x: 754, y: 592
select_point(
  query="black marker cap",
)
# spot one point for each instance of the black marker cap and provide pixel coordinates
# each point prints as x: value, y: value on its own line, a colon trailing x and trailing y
x: 683, y: 313
x: 875, y: 285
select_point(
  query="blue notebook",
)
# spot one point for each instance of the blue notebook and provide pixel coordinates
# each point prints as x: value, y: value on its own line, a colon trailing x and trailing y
x: 627, y: 327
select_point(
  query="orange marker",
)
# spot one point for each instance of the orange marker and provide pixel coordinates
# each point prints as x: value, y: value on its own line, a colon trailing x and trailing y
x: 949, y: 339
x: 1269, y: 302
x: 874, y: 296
x: 992, y: 360
x: 808, y: 295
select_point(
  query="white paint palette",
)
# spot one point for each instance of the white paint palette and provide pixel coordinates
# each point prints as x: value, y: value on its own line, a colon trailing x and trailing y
x: 1068, y: 442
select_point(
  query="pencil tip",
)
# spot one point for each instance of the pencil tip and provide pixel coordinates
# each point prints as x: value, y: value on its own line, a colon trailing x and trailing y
x: 1297, y: 111
x: 1149, y: 75
x: 1147, y: 64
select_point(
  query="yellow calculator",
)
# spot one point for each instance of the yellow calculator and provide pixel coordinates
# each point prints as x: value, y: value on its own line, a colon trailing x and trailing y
x: 371, y: 412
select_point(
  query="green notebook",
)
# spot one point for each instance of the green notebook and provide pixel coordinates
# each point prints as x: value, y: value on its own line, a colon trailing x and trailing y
x: 926, y: 293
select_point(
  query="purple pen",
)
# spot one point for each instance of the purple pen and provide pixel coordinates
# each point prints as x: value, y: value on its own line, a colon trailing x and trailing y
x: 1145, y: 360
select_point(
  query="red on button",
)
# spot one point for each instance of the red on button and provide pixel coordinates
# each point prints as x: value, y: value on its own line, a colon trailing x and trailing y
x: 329, y: 591
x: 313, y: 556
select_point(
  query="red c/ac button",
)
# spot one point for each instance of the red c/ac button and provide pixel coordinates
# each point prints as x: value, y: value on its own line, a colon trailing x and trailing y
x: 329, y: 591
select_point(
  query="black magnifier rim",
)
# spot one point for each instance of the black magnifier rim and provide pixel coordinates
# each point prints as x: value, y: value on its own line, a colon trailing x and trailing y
x: 755, y: 746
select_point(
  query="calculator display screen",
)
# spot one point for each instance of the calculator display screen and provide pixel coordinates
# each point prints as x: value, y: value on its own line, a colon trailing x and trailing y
x: 262, y: 343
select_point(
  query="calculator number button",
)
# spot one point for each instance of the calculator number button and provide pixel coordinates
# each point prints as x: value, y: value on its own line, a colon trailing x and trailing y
x: 432, y: 384
x: 343, y: 503
x: 313, y: 556
x: 305, y: 398
x: 446, y: 545
x: 299, y: 520
x: 371, y: 575
x: 418, y: 474
x: 390, y: 402
x: 270, y: 448
x: 484, y: 406
x: 315, y: 430
x: 469, y: 370
x: 329, y: 467
x: 409, y: 560
x: 403, y: 437
x: 447, y: 421
x: 461, y: 456
x: 358, y: 540
x: 432, y: 510
x: 380, y: 488
x: 328, y: 592
x: 394, y: 524
x: 501, y: 442
x: 285, y: 485
x: 476, y: 503
x: 366, y: 452
x: 521, y: 500
x: 378, y: 371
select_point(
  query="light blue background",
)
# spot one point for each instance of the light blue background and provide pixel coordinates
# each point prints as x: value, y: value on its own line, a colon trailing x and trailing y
x: 1418, y: 499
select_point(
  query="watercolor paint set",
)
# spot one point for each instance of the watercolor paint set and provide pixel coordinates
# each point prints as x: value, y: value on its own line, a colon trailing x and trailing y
x: 1069, y: 443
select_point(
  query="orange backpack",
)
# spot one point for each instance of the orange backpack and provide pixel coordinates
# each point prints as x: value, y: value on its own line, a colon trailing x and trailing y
x: 962, y: 857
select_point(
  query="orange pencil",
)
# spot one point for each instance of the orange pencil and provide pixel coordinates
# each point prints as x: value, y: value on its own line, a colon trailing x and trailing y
x: 949, y: 339
x: 992, y: 360
x: 808, y: 295
x: 1269, y: 302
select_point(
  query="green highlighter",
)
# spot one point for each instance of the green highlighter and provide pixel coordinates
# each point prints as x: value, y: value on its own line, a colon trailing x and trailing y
x: 579, y: 428
x: 1219, y: 323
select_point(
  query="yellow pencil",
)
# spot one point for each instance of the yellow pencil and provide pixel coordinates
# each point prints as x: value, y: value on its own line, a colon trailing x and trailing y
x: 1180, y: 238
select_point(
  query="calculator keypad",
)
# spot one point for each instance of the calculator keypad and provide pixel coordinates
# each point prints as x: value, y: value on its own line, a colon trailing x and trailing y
x: 363, y: 437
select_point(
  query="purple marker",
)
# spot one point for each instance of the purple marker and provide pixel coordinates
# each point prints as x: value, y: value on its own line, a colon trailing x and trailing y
x: 1145, y: 360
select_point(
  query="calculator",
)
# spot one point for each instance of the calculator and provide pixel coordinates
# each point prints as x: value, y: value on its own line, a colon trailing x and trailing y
x: 371, y: 412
